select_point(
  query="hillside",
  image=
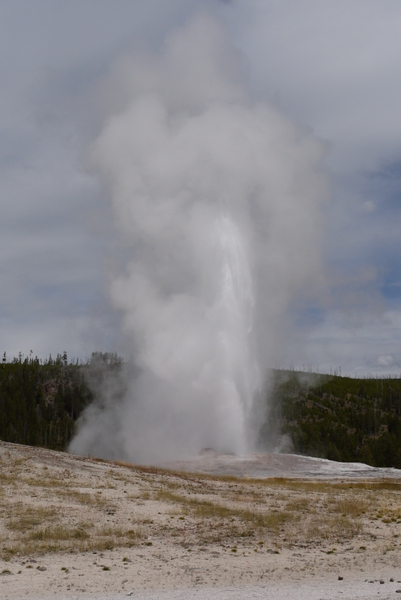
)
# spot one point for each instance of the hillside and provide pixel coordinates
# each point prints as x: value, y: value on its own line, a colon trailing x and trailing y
x: 338, y: 418
x: 40, y: 402
x: 332, y: 417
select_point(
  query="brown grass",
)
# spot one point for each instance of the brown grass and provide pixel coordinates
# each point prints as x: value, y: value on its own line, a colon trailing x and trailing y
x: 61, y: 511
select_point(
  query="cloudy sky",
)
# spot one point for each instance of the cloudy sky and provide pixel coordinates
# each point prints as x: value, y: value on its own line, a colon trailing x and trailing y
x: 332, y: 67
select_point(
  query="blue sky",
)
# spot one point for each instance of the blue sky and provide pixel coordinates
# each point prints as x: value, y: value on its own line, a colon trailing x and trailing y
x: 332, y: 67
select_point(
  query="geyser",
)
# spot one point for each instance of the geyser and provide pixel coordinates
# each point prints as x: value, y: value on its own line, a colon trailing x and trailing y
x: 218, y: 199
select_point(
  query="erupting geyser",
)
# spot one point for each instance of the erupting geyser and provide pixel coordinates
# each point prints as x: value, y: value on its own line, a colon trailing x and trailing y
x: 219, y: 201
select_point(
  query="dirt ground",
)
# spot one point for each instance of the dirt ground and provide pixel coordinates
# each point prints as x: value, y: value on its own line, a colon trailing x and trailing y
x: 73, y: 527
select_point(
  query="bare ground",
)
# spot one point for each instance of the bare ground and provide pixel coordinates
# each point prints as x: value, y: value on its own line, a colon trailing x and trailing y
x: 81, y: 527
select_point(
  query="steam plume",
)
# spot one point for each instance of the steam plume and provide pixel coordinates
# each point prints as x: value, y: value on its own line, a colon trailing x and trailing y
x: 219, y: 199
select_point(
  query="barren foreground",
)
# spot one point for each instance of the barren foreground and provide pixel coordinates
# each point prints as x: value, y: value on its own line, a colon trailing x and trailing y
x: 75, y: 527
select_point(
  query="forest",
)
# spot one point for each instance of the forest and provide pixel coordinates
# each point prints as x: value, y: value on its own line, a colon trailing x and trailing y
x: 339, y: 418
x: 40, y: 401
x: 334, y: 417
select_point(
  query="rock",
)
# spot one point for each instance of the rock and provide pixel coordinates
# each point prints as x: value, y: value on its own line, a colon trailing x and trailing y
x: 340, y: 578
x: 381, y: 581
x: 41, y: 568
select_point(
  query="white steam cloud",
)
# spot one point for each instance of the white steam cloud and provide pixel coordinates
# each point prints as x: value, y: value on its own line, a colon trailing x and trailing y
x: 219, y: 199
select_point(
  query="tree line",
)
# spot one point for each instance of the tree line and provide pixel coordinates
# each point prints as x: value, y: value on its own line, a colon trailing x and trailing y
x: 334, y: 417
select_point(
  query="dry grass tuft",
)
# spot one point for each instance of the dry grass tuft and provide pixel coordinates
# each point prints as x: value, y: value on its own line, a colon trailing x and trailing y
x: 23, y: 517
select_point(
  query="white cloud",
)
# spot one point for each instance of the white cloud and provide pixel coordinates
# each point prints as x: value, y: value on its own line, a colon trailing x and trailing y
x: 332, y: 66
x: 361, y: 343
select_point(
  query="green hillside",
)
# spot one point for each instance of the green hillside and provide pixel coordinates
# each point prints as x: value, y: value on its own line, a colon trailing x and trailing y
x: 333, y: 417
x: 339, y: 418
x: 40, y: 402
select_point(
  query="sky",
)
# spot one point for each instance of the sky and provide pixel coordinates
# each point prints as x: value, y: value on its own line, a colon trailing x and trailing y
x: 332, y: 67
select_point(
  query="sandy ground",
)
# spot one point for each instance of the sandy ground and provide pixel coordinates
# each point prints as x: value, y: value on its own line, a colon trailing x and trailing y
x: 74, y: 527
